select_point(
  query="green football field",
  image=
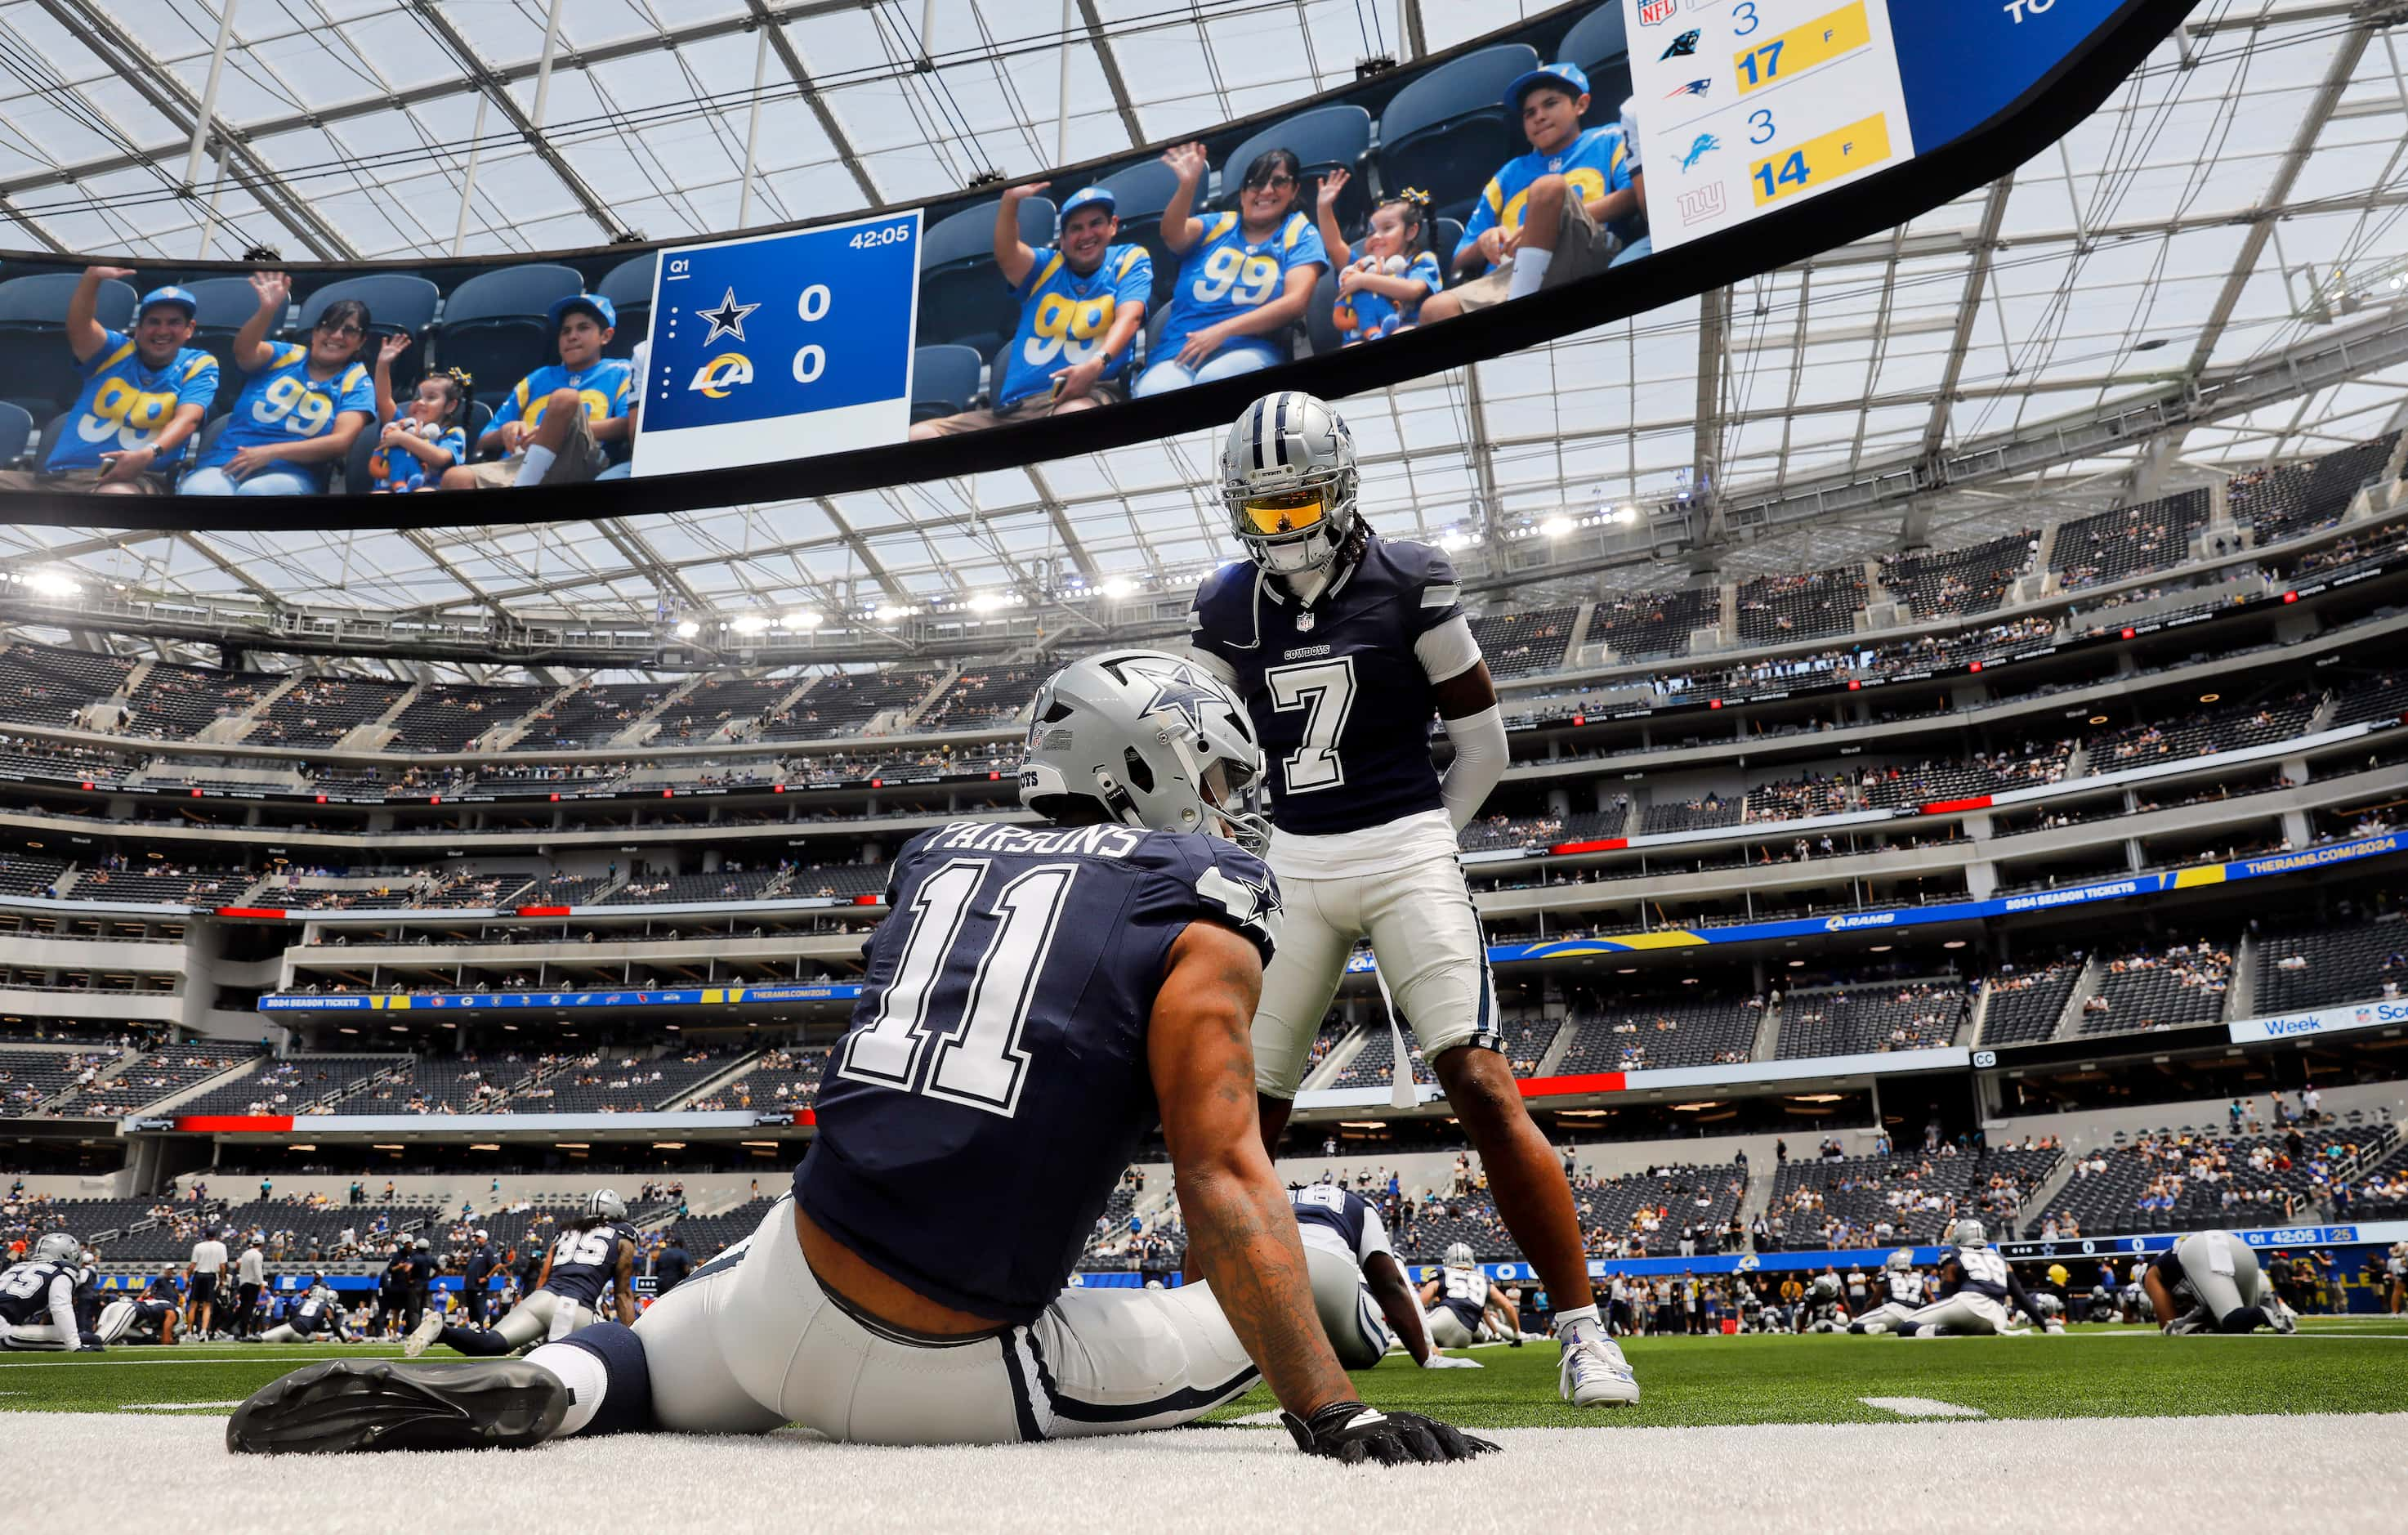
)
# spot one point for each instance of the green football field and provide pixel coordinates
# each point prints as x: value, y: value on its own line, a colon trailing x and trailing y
x: 2336, y: 1365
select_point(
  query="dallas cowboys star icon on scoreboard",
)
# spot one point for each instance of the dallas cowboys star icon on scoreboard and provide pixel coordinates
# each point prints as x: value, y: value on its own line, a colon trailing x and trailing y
x: 726, y: 319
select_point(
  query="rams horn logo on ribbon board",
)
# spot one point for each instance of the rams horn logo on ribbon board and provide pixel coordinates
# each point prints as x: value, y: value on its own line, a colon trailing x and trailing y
x: 723, y: 373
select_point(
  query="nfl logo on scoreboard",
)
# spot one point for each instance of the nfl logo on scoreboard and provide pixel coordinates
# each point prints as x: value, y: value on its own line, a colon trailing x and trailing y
x: 1702, y: 203
x: 1656, y: 12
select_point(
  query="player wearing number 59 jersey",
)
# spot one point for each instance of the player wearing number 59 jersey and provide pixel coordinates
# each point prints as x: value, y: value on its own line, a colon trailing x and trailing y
x: 1035, y: 1002
x: 1342, y: 644
x: 593, y: 1254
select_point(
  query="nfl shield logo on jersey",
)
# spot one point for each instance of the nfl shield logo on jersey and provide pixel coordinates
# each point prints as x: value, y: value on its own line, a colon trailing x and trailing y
x: 1304, y: 622
x: 1656, y: 12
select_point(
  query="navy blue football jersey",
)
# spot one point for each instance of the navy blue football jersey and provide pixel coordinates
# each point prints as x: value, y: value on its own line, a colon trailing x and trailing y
x: 1341, y: 1210
x: 584, y: 1263
x: 1336, y: 693
x: 1980, y: 1271
x: 993, y: 1084
x: 25, y: 1291
x: 1464, y: 1292
x: 313, y: 1313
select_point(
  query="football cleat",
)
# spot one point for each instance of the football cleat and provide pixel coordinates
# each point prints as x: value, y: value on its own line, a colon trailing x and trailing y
x: 2194, y: 1320
x: 376, y: 1404
x: 1594, y: 1375
x: 2281, y: 1317
x: 430, y: 1327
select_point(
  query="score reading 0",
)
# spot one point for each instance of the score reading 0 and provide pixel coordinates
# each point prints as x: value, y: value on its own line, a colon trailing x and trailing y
x: 834, y: 305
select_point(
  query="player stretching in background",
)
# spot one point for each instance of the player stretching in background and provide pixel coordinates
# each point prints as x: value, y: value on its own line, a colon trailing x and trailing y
x: 596, y: 1252
x: 1342, y: 644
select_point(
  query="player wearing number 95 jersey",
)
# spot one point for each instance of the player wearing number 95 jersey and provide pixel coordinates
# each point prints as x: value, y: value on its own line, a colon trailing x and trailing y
x: 593, y: 1253
x: 1037, y: 998
x: 1342, y: 644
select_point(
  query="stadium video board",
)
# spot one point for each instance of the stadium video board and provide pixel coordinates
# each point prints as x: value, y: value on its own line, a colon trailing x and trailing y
x: 1376, y: 234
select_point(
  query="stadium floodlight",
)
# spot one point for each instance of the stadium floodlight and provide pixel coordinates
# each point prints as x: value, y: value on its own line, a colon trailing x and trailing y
x: 804, y: 619
x: 888, y: 615
x: 1555, y: 527
x: 1626, y: 516
x: 688, y: 629
x: 1114, y: 588
x: 752, y: 624
x: 54, y: 583
x: 988, y: 602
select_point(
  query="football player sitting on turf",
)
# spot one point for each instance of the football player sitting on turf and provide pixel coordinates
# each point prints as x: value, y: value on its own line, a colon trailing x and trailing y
x: 316, y: 1315
x: 1825, y: 1312
x: 1543, y: 218
x: 2209, y: 1282
x: 1902, y: 1295
x: 39, y: 1299
x: 593, y: 1253
x: 1343, y: 644
x: 1082, y: 303
x: 1462, y: 1301
x: 150, y: 1317
x: 1036, y: 1000
x: 1976, y: 1285
x: 1358, y: 1287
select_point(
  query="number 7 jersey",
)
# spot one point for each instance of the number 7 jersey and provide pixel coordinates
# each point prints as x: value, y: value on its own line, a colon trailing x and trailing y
x: 994, y: 1084
x: 1341, y: 702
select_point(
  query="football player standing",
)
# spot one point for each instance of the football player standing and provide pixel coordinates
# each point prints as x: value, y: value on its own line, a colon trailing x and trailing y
x: 1036, y: 999
x: 1343, y: 645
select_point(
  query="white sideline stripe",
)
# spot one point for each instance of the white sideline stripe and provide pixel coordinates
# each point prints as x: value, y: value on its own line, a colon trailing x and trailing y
x: 1254, y: 1420
x: 1922, y: 1407
x: 176, y: 1406
x: 255, y: 1356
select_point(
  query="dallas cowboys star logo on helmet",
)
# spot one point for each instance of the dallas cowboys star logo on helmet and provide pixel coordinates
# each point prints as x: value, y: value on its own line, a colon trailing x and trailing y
x: 1181, y: 692
x: 726, y: 319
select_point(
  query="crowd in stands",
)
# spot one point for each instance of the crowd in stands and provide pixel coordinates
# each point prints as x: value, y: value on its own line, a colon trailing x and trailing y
x: 2155, y: 989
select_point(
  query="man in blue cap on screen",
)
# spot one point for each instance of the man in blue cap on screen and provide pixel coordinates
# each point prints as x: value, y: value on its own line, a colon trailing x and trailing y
x: 1544, y: 218
x: 559, y: 425
x: 142, y: 399
x: 1081, y: 301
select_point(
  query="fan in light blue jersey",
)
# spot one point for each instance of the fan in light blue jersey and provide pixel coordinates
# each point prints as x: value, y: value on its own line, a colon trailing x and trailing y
x: 1244, y: 277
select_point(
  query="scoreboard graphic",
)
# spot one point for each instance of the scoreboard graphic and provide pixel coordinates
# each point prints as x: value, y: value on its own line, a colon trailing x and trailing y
x: 1746, y: 107
x: 784, y: 346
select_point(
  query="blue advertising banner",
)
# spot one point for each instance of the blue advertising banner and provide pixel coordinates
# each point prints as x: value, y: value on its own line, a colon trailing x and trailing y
x: 781, y: 346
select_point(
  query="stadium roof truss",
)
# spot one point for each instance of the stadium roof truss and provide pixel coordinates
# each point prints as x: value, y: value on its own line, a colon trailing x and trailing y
x: 2236, y: 207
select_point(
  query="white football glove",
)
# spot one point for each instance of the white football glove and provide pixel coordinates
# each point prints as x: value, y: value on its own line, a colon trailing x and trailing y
x: 1444, y: 1361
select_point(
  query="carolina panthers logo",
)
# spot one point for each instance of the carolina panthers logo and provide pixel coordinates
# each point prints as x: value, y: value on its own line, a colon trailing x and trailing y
x: 1704, y: 145
x: 1682, y: 47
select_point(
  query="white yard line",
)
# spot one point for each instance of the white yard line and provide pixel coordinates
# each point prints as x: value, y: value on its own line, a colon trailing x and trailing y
x: 1921, y: 1407
x: 176, y: 1406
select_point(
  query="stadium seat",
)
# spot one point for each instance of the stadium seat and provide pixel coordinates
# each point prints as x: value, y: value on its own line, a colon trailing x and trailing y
x: 1323, y: 139
x: 944, y: 381
x: 1445, y: 235
x: 16, y: 430
x: 1447, y: 132
x: 48, y: 437
x: 495, y: 325
x: 961, y: 294
x: 628, y: 286
x: 226, y: 304
x: 1595, y: 41
x: 34, y: 357
x: 1320, y: 326
x: 1139, y: 193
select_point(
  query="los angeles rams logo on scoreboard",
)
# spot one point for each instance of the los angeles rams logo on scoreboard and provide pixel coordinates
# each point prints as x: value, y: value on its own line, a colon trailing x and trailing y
x: 721, y: 373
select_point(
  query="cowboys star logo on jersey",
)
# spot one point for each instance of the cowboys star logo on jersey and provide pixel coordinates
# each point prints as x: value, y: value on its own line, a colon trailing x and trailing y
x: 726, y: 319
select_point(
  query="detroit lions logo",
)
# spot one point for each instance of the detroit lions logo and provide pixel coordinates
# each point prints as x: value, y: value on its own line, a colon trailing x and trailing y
x: 1704, y: 145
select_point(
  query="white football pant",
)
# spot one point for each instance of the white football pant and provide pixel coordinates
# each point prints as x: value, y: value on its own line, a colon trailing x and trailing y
x: 1426, y: 936
x: 547, y: 1315
x: 751, y: 1342
x: 1885, y: 1316
x: 1446, y: 1330
x: 2223, y: 1272
x: 1962, y: 1313
x: 1357, y: 1329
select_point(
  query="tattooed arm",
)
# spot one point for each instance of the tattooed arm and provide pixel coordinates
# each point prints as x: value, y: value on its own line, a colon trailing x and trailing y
x: 1240, y: 1229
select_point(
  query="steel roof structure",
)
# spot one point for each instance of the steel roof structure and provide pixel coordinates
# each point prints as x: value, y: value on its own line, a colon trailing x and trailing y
x: 2233, y: 210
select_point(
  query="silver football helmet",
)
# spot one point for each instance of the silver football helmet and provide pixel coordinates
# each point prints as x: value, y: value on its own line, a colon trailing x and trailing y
x: 1458, y: 1255
x: 606, y: 1204
x: 1826, y: 1286
x: 1968, y: 1233
x: 1289, y: 481
x: 1157, y: 741
x: 1900, y: 1261
x: 59, y: 1247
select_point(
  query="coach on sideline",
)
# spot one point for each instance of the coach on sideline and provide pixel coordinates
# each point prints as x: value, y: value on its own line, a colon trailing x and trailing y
x: 1081, y: 301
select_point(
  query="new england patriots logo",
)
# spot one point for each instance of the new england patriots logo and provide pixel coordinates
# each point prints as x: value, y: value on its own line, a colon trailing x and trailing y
x: 1683, y: 47
x: 1693, y: 88
x: 1180, y: 692
x: 1705, y: 145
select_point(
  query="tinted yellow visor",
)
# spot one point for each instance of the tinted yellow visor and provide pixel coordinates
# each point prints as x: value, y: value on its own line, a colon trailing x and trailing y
x: 1290, y: 512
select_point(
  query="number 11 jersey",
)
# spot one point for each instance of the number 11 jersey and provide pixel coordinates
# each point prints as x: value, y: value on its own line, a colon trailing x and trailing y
x: 993, y: 1084
x: 1341, y: 700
